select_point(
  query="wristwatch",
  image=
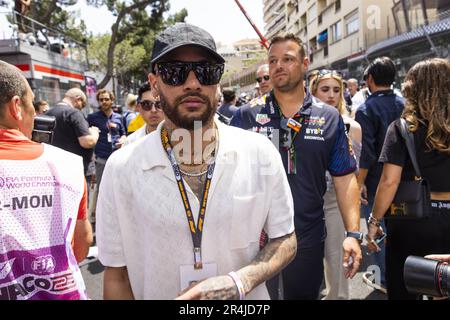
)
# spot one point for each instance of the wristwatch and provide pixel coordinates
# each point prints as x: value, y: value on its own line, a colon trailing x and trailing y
x: 357, y: 235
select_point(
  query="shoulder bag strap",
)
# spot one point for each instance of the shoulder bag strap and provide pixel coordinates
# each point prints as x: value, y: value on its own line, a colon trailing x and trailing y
x: 409, y: 140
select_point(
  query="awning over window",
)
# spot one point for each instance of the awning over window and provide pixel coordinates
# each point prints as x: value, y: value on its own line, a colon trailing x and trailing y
x: 323, y: 36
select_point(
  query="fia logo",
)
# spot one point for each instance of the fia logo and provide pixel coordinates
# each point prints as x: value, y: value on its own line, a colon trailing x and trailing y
x: 43, y: 264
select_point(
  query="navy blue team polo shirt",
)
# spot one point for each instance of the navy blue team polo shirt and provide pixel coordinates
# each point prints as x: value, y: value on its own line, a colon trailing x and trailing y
x: 104, y: 148
x: 320, y: 145
x: 375, y: 115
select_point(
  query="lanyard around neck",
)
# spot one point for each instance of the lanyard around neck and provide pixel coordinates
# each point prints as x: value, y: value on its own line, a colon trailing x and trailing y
x: 196, y: 230
x: 290, y: 124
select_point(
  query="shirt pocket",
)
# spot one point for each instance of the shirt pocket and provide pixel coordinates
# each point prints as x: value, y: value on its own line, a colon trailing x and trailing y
x: 247, y: 221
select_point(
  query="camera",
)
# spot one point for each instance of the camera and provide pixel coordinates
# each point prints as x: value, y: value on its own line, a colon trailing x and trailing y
x: 428, y: 277
x: 43, y: 129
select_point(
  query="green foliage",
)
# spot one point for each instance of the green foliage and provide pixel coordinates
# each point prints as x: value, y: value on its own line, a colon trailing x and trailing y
x: 127, y: 57
x: 98, y: 48
x: 137, y: 24
x: 53, y: 14
x: 127, y: 50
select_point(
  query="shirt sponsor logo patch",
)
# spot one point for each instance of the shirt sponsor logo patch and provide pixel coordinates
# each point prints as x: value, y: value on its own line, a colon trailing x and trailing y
x: 314, y: 134
x: 265, y: 131
x: 43, y: 264
x: 262, y: 118
x: 316, y: 121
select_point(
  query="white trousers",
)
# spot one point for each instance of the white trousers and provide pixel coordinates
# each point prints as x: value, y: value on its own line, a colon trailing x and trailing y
x: 337, y: 286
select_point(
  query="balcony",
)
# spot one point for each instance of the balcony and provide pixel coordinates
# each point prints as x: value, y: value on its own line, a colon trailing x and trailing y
x: 433, y: 29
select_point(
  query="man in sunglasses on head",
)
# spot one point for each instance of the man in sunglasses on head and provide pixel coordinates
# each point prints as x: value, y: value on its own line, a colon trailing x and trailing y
x: 149, y: 108
x: 180, y: 211
x: 311, y: 139
x: 263, y: 79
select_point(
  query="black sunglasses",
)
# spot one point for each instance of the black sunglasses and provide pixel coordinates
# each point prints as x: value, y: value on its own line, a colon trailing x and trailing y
x: 176, y: 73
x: 148, y: 105
x: 260, y: 79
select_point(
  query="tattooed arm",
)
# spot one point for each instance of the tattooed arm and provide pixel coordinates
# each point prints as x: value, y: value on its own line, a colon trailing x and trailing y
x: 271, y: 260
x: 279, y: 252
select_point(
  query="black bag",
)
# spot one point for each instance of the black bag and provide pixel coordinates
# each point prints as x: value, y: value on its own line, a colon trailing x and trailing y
x: 412, y: 200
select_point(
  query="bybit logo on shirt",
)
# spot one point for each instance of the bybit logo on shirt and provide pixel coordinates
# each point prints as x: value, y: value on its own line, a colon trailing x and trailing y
x: 314, y: 134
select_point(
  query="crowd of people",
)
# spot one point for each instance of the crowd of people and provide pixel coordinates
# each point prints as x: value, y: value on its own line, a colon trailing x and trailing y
x: 200, y: 196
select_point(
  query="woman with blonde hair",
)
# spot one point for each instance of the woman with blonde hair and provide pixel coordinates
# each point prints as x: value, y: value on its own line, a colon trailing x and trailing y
x: 130, y: 113
x: 427, y: 112
x: 328, y: 86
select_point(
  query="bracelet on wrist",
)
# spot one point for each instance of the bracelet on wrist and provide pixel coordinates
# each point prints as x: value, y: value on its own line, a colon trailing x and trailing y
x: 373, y: 220
x: 239, y: 284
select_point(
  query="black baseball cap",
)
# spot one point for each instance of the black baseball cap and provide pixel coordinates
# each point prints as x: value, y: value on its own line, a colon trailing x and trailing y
x: 183, y: 34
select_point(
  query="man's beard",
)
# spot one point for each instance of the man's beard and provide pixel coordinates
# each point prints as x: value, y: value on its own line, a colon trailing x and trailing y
x: 187, y: 122
x: 287, y: 86
x: 105, y: 107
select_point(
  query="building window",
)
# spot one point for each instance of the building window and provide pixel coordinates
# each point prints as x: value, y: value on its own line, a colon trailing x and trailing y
x: 336, y: 31
x: 312, y: 13
x: 323, y: 37
x: 73, y: 84
x: 352, y: 23
x: 50, y: 90
x: 337, y: 5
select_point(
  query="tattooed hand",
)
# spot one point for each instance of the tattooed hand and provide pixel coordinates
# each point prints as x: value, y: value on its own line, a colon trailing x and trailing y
x: 216, y: 288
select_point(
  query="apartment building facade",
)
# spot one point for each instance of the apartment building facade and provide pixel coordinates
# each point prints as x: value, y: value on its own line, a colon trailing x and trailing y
x: 249, y: 50
x: 241, y: 63
x: 275, y: 17
x: 336, y: 33
x: 422, y: 31
x: 346, y: 34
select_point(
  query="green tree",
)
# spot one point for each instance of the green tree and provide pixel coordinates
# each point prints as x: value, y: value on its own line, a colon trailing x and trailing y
x: 54, y: 14
x: 128, y: 58
x: 130, y: 17
x: 136, y: 25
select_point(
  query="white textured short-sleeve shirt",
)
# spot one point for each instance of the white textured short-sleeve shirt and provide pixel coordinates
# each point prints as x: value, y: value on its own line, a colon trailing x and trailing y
x: 142, y: 224
x: 135, y: 136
